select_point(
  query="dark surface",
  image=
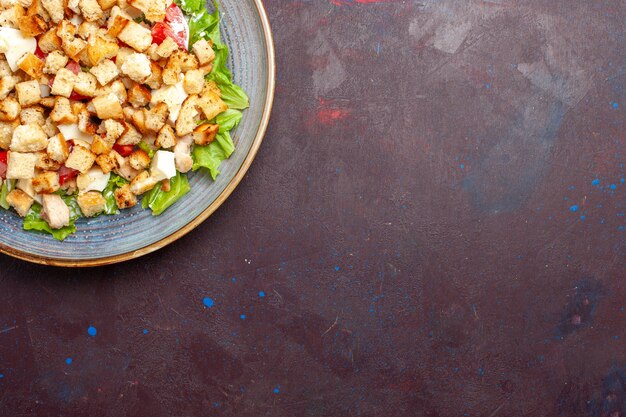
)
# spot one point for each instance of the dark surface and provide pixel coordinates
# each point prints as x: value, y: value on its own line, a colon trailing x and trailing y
x: 411, y: 219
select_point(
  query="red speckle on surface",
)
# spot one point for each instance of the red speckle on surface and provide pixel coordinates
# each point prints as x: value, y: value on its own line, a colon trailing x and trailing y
x: 353, y: 2
x: 330, y: 116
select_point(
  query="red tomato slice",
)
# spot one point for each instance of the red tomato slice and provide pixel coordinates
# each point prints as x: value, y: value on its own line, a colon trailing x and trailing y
x: 66, y: 174
x: 40, y: 54
x: 123, y: 150
x: 3, y: 164
x: 74, y: 67
x: 174, y: 26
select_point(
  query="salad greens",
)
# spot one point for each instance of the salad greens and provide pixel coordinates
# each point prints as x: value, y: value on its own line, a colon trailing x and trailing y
x: 159, y: 200
x: 33, y: 221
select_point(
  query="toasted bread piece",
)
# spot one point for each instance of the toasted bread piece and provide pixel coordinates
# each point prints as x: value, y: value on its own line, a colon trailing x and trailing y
x: 91, y: 10
x: 28, y: 93
x: 9, y: 109
x: 21, y: 165
x: 28, y: 138
x: 6, y: 133
x: 107, y: 161
x: 142, y: 183
x: 194, y: 82
x: 91, y: 203
x: 7, y: 84
x: 156, y: 117
x: 54, y: 62
x: 33, y: 25
x: 137, y: 67
x: 154, y: 10
x: 179, y: 62
x: 20, y: 201
x: 205, y: 134
x: 136, y: 36
x: 63, y: 84
x: 101, y: 47
x: 46, y: 182
x: 124, y: 197
x: 167, y: 47
x: 130, y: 137
x: 105, y: 72
x: 139, y: 96
x: 33, y: 115
x: 211, y: 105
x: 57, y: 148
x: 186, y: 121
x: 44, y: 162
x: 85, y: 84
x: 166, y: 138
x: 108, y: 107
x: 55, y: 8
x: 139, y: 159
x: 31, y: 65
x: 156, y: 78
x: 203, y: 51
x: 62, y: 112
x: 49, y: 41
x: 80, y: 159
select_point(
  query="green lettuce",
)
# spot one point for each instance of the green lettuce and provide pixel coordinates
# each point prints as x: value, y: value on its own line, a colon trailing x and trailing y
x: 212, y: 155
x: 228, y: 120
x: 33, y: 221
x: 159, y: 200
x: 7, y: 186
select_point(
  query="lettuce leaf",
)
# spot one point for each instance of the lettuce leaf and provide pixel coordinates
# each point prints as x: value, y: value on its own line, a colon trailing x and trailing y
x: 115, y: 182
x: 228, y: 120
x: 33, y: 221
x: 212, y: 155
x: 7, y: 186
x: 159, y: 200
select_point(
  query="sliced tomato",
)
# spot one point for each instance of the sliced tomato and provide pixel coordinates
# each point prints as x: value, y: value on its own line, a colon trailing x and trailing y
x: 173, y: 25
x: 123, y: 150
x: 4, y: 156
x: 40, y: 54
x: 66, y: 174
x: 74, y: 67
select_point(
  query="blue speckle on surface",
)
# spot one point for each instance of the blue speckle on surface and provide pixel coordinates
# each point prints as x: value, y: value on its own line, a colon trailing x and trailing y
x: 615, y: 104
x: 616, y: 337
x: 145, y: 331
x: 242, y: 317
x: 595, y: 182
x: 92, y: 331
x: 481, y: 371
x: 583, y: 217
x: 487, y: 86
x: 573, y: 208
x: 462, y: 166
x: 612, y: 186
x: 68, y: 361
x: 233, y: 279
x: 261, y: 294
x: 277, y: 390
x: 208, y: 302
x: 337, y: 268
x: 622, y: 180
x: 1, y: 376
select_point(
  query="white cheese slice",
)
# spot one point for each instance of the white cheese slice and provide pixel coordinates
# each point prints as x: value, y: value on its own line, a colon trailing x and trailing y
x: 163, y: 166
x: 172, y: 95
x: 73, y: 132
x: 18, y: 45
x: 26, y: 185
x: 92, y: 180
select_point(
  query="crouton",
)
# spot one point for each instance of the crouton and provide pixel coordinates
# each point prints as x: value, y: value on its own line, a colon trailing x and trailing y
x: 9, y: 109
x: 167, y: 47
x: 113, y: 129
x: 54, y: 62
x: 85, y: 84
x: 91, y: 10
x: 138, y: 120
x: 87, y: 123
x: 137, y: 67
x: 205, y: 134
x: 6, y: 133
x: 108, y: 107
x: 124, y: 197
x: 10, y: 17
x: 139, y: 159
x: 154, y: 10
x: 55, y: 8
x: 49, y: 41
x: 117, y: 88
x: 44, y: 162
x: 80, y: 159
x: 203, y: 51
x: 63, y: 83
x: 136, y: 36
x: 117, y: 23
x: 20, y: 201
x: 91, y: 203
x: 105, y: 72
x: 57, y: 148
x: 28, y: 93
x: 28, y: 138
x: 55, y: 212
x: 186, y: 123
x: 101, y: 145
x: 206, y: 69
x: 50, y: 127
x: 7, y: 84
x: 211, y: 105
x: 107, y: 161
x: 182, y: 154
x: 156, y: 77
x: 107, y: 4
x: 139, y: 96
x: 33, y: 115
x: 151, y: 52
x: 21, y: 165
x: 101, y: 47
x: 123, y: 53
x: 5, y: 69
x: 142, y: 183
x: 211, y: 87
x: 74, y: 48
x: 86, y: 29
x: 47, y: 102
x: 178, y: 62
x: 166, y: 137
x: 194, y: 82
x: 130, y: 137
x: 32, y: 25
x: 156, y: 117
x: 46, y: 182
x: 31, y: 65
x: 62, y: 112
x: 66, y: 31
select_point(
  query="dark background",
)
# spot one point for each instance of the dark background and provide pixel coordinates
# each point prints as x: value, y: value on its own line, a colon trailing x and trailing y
x: 435, y: 219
